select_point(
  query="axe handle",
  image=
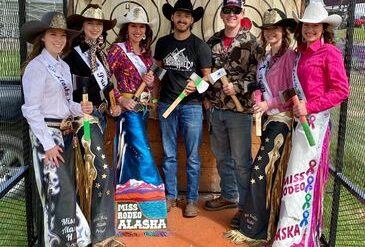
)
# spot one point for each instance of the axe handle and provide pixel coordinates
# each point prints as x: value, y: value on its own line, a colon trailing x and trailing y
x: 174, y: 104
x: 140, y: 89
x: 258, y: 115
x: 304, y: 123
x: 239, y: 107
x: 113, y: 102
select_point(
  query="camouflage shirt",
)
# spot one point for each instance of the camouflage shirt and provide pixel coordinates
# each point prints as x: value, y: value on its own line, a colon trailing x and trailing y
x: 239, y: 61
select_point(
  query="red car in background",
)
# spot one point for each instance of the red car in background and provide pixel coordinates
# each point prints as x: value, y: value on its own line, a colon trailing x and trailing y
x: 360, y: 22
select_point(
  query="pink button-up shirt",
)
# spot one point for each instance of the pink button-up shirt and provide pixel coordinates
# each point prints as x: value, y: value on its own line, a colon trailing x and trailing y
x: 322, y: 75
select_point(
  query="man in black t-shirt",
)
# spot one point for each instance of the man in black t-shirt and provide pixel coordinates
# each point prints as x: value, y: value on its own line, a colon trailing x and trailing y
x: 182, y: 53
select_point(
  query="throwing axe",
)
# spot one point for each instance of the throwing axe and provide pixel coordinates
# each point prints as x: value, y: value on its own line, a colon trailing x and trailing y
x: 201, y: 87
x: 290, y: 94
x: 222, y: 75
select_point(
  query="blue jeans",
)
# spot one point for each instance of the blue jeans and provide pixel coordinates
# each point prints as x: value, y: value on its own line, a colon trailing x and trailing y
x: 188, y: 119
x: 230, y: 140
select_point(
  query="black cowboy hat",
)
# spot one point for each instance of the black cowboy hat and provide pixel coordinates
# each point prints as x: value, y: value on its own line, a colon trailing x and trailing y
x: 51, y: 20
x: 182, y: 5
x: 92, y: 11
x: 275, y: 17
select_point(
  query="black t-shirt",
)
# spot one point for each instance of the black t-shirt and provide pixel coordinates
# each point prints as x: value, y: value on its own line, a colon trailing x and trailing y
x: 181, y: 58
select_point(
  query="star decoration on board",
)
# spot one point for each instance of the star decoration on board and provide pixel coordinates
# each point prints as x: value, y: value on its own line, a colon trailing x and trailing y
x: 261, y: 177
x: 98, y: 148
x: 256, y: 168
x: 262, y: 148
x: 267, y: 140
x: 103, y: 176
x: 108, y: 192
x: 100, y: 194
x: 259, y: 158
x: 253, y: 181
x: 105, y: 166
x: 97, y: 185
x: 103, y: 156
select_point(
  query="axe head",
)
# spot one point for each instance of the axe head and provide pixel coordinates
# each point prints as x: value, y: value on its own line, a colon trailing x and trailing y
x: 287, y: 94
x: 157, y: 71
x: 216, y: 75
x: 200, y: 84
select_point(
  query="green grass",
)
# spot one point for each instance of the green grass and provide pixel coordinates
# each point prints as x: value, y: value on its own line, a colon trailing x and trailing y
x: 359, y: 35
x: 13, y: 227
x: 351, y: 220
x: 9, y: 64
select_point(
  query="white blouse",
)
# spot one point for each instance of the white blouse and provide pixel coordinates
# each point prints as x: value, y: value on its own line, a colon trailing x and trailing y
x: 45, y: 97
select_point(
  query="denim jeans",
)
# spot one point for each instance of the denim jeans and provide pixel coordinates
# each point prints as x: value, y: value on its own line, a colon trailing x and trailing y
x: 188, y: 119
x: 230, y: 140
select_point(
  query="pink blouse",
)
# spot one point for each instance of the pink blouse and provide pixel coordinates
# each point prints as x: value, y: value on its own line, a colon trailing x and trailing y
x: 279, y: 77
x: 322, y: 76
x: 128, y: 78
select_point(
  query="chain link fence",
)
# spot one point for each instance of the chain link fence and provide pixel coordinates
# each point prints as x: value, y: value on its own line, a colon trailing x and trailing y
x: 19, y: 208
x: 345, y: 197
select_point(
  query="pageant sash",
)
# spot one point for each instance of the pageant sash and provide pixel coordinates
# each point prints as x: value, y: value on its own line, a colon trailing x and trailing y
x: 135, y: 59
x: 296, y: 83
x: 301, y: 203
x: 261, y: 77
x: 59, y: 78
x: 100, y: 74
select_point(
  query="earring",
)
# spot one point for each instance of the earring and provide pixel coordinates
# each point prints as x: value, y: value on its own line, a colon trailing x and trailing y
x: 144, y: 37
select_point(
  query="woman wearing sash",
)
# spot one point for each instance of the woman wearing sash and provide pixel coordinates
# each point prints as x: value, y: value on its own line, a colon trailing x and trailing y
x: 91, y: 75
x: 130, y: 59
x: 258, y: 219
x: 321, y: 83
x: 49, y: 109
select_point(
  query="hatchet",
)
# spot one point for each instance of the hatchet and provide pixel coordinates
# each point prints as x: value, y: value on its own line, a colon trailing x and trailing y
x: 201, y: 87
x: 221, y: 74
x: 257, y: 95
x: 290, y: 94
x: 157, y: 71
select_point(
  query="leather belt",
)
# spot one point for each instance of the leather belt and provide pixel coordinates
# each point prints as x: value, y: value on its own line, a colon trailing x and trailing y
x: 65, y: 125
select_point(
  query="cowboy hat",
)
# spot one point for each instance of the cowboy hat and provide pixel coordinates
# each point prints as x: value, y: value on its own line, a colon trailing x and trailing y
x: 182, y: 5
x: 93, y: 12
x: 275, y: 17
x: 51, y: 20
x: 315, y: 12
x: 135, y: 15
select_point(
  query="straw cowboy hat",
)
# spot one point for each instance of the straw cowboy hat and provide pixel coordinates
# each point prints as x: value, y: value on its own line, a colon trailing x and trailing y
x: 315, y: 12
x: 275, y: 17
x: 135, y: 15
x: 51, y: 20
x: 182, y: 5
x: 93, y: 12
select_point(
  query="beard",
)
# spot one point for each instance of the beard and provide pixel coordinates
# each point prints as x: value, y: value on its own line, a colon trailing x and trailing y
x: 181, y: 29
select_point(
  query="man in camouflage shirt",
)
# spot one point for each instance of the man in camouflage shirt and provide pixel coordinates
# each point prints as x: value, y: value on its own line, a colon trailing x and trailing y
x: 235, y: 49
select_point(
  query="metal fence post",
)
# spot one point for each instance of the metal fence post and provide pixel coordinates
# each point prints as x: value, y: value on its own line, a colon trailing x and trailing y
x: 342, y: 128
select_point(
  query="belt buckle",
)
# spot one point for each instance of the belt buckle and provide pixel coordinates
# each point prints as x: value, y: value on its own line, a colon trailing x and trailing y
x: 102, y: 107
x: 66, y: 126
x: 138, y: 107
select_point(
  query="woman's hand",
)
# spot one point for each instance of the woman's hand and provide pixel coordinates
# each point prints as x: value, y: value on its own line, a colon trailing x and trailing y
x: 86, y: 107
x: 300, y: 109
x: 148, y: 79
x: 115, y: 111
x: 127, y: 104
x: 53, y: 155
x: 190, y: 87
x: 229, y: 89
x: 260, y: 107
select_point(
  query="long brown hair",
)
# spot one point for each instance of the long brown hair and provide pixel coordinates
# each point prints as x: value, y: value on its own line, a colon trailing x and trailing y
x: 37, y: 48
x: 145, y: 43
x: 328, y: 35
x: 285, y: 43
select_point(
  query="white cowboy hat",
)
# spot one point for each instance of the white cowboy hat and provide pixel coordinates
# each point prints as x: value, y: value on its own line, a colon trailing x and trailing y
x: 315, y: 12
x: 135, y: 15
